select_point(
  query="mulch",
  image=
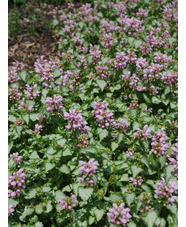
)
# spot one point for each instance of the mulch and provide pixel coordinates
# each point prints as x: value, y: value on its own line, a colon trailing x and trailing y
x: 27, y: 49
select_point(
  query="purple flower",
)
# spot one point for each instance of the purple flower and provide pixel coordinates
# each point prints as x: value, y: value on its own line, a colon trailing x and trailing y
x: 54, y: 104
x: 76, y: 121
x: 31, y: 92
x: 68, y: 203
x: 11, y: 210
x: 136, y: 181
x: 16, y: 157
x: 15, y: 182
x: 159, y: 147
x: 119, y: 215
x: 164, y: 191
x: 87, y: 169
x: 38, y: 128
x: 142, y: 134
x: 103, y: 116
x: 121, y: 126
x: 82, y: 140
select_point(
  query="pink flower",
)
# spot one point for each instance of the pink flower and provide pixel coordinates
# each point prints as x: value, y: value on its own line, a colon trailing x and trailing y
x: 118, y: 214
x: 165, y: 192
x: 142, y: 134
x: 88, y: 169
x: 68, y: 202
x: 11, y: 210
x: 103, y: 116
x: 76, y: 121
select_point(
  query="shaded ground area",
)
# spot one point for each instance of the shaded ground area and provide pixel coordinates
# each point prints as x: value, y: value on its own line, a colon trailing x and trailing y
x: 30, y: 33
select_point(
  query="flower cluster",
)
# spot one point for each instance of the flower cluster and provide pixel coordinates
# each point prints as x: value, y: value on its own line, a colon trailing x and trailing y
x: 19, y: 121
x: 87, y: 169
x: 121, y: 126
x: 13, y: 77
x: 38, y: 128
x: 31, y: 92
x: 82, y: 140
x: 103, y: 116
x: 23, y: 106
x: 13, y: 93
x: 129, y: 153
x: 164, y: 192
x: 46, y: 69
x: 16, y: 157
x: 68, y: 203
x: 54, y: 105
x: 146, y: 201
x: 142, y: 134
x: 15, y: 182
x: 134, y: 104
x: 70, y: 78
x: 159, y: 147
x: 11, y: 210
x: 136, y: 181
x: 173, y: 158
x: 76, y: 121
x: 119, y: 215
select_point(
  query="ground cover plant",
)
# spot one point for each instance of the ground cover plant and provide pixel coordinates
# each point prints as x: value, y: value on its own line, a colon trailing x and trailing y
x: 93, y: 137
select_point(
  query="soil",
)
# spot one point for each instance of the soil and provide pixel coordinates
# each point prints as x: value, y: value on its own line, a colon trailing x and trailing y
x: 27, y: 49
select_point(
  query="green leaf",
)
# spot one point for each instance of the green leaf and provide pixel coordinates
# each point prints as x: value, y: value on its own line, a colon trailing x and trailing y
x: 114, y: 145
x: 135, y: 170
x: 131, y: 224
x: 12, y: 201
x: 85, y: 193
x: 102, y: 134
x: 151, y: 183
x: 168, y: 172
x: 131, y: 41
x: 99, y: 214
x: 39, y: 224
x: 57, y: 73
x: 160, y: 222
x: 101, y: 83
x: 162, y: 161
x: 129, y: 197
x: 38, y: 209
x: 55, y: 22
x: 150, y: 218
x: 23, y: 75
x: 64, y: 169
x: 59, y: 195
x: 91, y: 220
x: 49, y: 207
x: 50, y: 150
x: 34, y: 155
x: 33, y: 117
x: 146, y: 188
x: 49, y: 166
x: 155, y: 100
x: 137, y: 43
x: 172, y: 40
x: 67, y: 152
x: 67, y: 188
x: 27, y: 211
x: 61, y: 141
x: 120, y: 137
x: 44, y: 93
x: 12, y: 118
x: 26, y: 118
x: 124, y: 177
x: 172, y: 207
x: 31, y: 194
x: 114, y: 197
